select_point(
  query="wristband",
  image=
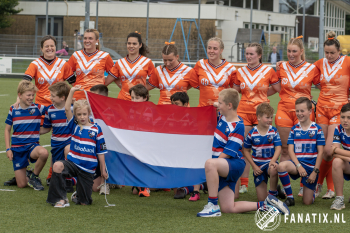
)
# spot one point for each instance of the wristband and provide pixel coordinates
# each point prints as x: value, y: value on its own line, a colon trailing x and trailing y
x: 8, y: 149
x: 298, y: 165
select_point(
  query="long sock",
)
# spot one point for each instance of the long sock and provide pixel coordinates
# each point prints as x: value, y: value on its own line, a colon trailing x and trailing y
x: 50, y: 173
x: 285, y: 180
x: 301, y: 184
x: 201, y: 187
x: 189, y: 189
x: 329, y: 177
x: 261, y: 205
x: 313, y: 196
x: 244, y: 181
x: 324, y: 168
x: 273, y: 193
x: 213, y: 200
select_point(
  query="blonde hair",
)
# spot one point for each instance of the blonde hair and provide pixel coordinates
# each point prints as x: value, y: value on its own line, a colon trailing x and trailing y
x: 219, y: 40
x: 264, y: 108
x: 80, y: 104
x: 26, y: 85
x: 258, y: 49
x: 298, y: 42
x: 97, y: 36
x: 230, y: 96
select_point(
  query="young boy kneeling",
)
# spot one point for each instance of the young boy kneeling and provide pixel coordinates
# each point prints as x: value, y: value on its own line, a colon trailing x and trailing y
x: 341, y: 163
x: 223, y: 172
x: 266, y: 144
x: 305, y: 147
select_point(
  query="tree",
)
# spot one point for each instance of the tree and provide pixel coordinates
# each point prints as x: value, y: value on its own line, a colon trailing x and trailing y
x: 7, y: 8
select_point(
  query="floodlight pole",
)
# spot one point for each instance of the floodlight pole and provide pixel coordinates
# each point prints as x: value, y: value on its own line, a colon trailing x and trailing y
x: 251, y: 21
x: 147, y: 22
x: 304, y: 21
x: 199, y: 25
x: 321, y: 32
x: 269, y: 19
x: 87, y: 14
x: 96, y: 14
x: 47, y: 17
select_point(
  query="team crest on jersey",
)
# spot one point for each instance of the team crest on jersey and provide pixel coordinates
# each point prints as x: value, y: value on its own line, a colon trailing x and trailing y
x: 227, y: 130
x: 161, y: 86
x: 53, y: 115
x: 303, y: 75
x: 41, y: 80
x: 204, y: 82
x: 58, y: 70
x: 32, y: 111
x: 311, y: 133
x: 78, y: 71
x: 270, y: 138
x: 284, y: 81
x: 242, y: 86
x: 91, y: 134
x: 17, y: 113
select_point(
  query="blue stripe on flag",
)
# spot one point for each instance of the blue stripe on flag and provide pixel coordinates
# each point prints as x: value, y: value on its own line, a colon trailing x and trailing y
x: 127, y: 170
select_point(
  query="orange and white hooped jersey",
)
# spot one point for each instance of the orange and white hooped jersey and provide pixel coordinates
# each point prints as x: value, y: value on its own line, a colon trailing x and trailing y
x: 296, y: 82
x: 45, y: 74
x: 254, y: 84
x: 212, y: 79
x: 171, y: 81
x: 131, y: 73
x: 334, y: 81
x: 89, y: 69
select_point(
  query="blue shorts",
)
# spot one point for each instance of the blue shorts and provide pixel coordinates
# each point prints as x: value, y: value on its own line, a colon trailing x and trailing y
x: 21, y: 155
x: 304, y: 179
x: 57, y: 153
x: 236, y: 169
x: 262, y: 177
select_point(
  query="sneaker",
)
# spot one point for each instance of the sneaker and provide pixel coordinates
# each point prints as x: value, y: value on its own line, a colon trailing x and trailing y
x: 180, y: 193
x: 104, y: 189
x: 318, y: 190
x: 48, y: 181
x: 329, y: 194
x: 11, y: 182
x: 35, y: 183
x: 279, y: 205
x: 290, y: 201
x: 194, y: 196
x: 115, y: 186
x: 301, y: 192
x: 210, y: 210
x: 243, y: 189
x: 280, y: 193
x: 69, y: 186
x: 74, y: 197
x: 144, y: 192
x: 62, y: 204
x: 338, y: 204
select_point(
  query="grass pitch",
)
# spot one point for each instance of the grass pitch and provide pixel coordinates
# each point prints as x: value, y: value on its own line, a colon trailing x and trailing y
x: 26, y: 210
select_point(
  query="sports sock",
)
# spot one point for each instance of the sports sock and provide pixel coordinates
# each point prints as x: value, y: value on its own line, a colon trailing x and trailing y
x: 244, y: 181
x: 213, y: 200
x: 313, y: 196
x: 50, y: 173
x: 73, y: 179
x: 285, y: 180
x: 189, y: 189
x: 273, y: 193
x: 323, y: 171
x: 260, y: 205
x: 301, y: 184
x: 201, y: 187
x: 329, y: 177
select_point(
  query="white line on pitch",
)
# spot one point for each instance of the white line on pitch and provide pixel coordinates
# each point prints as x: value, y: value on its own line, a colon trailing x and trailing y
x: 5, y: 95
x: 5, y: 150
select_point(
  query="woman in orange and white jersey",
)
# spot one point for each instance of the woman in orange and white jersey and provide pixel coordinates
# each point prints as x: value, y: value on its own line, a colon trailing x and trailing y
x: 171, y: 77
x: 253, y: 82
x: 214, y: 74
x: 334, y: 85
x: 297, y: 77
x: 90, y: 63
x: 133, y: 69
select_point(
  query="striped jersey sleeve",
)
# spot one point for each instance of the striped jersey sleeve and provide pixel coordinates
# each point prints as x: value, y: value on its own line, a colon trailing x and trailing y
x: 340, y: 137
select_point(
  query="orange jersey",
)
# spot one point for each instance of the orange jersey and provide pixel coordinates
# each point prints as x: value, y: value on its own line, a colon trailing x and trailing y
x: 131, y: 73
x: 212, y: 79
x: 254, y: 85
x: 334, y: 81
x: 45, y: 74
x: 171, y: 81
x: 89, y: 69
x: 296, y: 82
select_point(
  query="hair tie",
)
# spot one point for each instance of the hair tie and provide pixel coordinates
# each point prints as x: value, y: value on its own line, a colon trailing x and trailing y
x: 330, y: 38
x: 299, y: 37
x: 137, y: 32
x: 169, y: 43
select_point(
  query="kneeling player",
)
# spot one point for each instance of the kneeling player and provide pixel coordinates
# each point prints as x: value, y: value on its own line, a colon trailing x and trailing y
x: 341, y: 162
x: 305, y: 147
x: 266, y: 144
x: 223, y: 172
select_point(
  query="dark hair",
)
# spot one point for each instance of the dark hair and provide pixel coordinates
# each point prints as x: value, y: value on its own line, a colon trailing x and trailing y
x: 304, y: 100
x: 100, y: 89
x: 258, y: 49
x: 61, y: 89
x: 264, y: 108
x: 182, y: 96
x: 45, y: 38
x: 331, y: 40
x: 144, y: 49
x: 140, y: 90
x: 345, y: 108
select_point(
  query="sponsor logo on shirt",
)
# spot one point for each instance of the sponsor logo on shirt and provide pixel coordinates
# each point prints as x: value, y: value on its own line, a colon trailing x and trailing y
x: 336, y: 137
x: 83, y: 149
x: 78, y: 71
x: 103, y: 146
x: 284, y: 81
x: 17, y: 113
x: 256, y: 140
x: 298, y: 134
x: 242, y: 86
x: 53, y: 115
x: 204, y: 82
x: 41, y: 80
